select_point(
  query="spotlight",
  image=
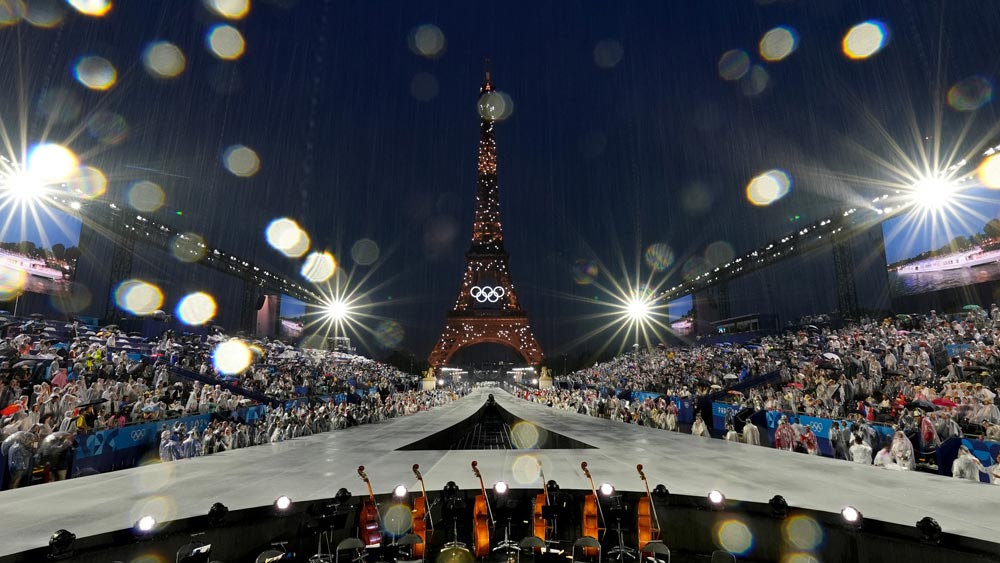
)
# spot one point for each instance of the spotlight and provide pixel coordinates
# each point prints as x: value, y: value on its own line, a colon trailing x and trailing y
x: 607, y: 489
x: 852, y: 516
x: 145, y: 524
x: 217, y: 514
x: 282, y: 503
x: 342, y: 496
x: 930, y: 530
x: 779, y: 507
x: 716, y: 499
x: 400, y: 491
x: 61, y: 544
x: 500, y: 488
x: 441, y: 382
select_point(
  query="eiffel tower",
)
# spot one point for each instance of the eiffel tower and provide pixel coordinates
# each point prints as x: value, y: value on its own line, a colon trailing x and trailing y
x: 486, y: 310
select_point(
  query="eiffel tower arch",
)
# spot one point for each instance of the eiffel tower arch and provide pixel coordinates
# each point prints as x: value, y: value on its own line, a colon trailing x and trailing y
x: 487, y: 309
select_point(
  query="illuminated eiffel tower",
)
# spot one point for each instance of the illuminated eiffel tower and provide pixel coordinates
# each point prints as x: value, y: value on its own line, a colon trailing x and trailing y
x: 486, y: 310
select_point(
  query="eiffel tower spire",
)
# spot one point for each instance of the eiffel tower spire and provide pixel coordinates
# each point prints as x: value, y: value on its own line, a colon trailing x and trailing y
x: 487, y: 230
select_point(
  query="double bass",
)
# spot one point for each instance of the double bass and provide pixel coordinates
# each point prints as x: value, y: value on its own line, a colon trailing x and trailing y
x: 591, y: 511
x: 421, y: 516
x: 646, y: 515
x: 368, y: 517
x: 482, y: 518
x: 540, y: 526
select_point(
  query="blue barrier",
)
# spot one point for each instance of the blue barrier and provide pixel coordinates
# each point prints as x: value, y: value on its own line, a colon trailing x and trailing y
x: 720, y: 411
x: 821, y: 428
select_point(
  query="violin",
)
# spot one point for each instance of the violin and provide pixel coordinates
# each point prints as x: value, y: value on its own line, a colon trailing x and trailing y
x: 368, y: 517
x: 646, y: 515
x: 540, y: 527
x: 482, y: 517
x: 421, y: 516
x: 591, y: 511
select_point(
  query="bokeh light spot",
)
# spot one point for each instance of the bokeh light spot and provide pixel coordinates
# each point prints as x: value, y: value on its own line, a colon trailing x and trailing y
x: 285, y: 236
x: 196, y: 308
x: 232, y: 356
x: 865, y: 39
x: 163, y: 59
x: 229, y: 9
x: 58, y: 105
x: 53, y: 163
x: 188, y: 247
x: 146, y: 196
x: 43, y: 13
x: 94, y: 8
x: 95, y: 72
x: 585, y: 271
x: 769, y: 187
x: 225, y: 42
x: 138, y: 297
x: 608, y: 53
x: 397, y: 519
x: 802, y: 532
x: 89, y: 183
x: 319, y: 267
x: 734, y: 536
x: 424, y: 87
x: 524, y: 435
x: 719, y: 253
x: 12, y: 282
x: 389, y: 334
x: 241, y: 161
x: 734, y: 64
x: 800, y: 557
x: 427, y: 41
x: 495, y: 106
x: 755, y: 81
x: 778, y: 43
x: 659, y: 256
x: 693, y: 267
x: 696, y: 200
x: 365, y: 252
x: 73, y: 300
x: 525, y: 469
x: 11, y: 12
x: 989, y: 171
x: 970, y: 94
x: 107, y: 127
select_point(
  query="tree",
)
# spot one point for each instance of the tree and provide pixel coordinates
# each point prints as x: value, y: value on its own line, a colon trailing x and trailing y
x: 992, y: 228
x: 59, y: 251
x: 72, y: 253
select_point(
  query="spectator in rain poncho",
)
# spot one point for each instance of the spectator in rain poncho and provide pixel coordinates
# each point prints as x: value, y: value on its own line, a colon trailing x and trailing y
x: 861, y: 452
x: 192, y: 446
x: 902, y: 451
x: 671, y: 417
x: 966, y: 466
x: 698, y: 428
x: 20, y: 458
x: 885, y: 460
x: 784, y: 436
x: 809, y: 441
x: 751, y: 435
x: 731, y: 434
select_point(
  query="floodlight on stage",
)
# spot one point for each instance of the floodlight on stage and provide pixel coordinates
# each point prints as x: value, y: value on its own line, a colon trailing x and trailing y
x: 779, y: 506
x: 606, y: 489
x: 717, y: 499
x: 933, y: 193
x: 217, y: 513
x: 336, y: 310
x: 282, y: 503
x: 400, y: 491
x: 145, y: 524
x: 852, y: 516
x: 61, y: 544
x: 342, y: 496
x: 500, y: 487
x: 637, y: 308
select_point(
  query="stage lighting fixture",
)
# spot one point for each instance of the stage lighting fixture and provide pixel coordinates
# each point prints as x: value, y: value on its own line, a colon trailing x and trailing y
x: 282, y: 503
x: 852, y: 516
x: 450, y: 489
x: 660, y: 491
x: 930, y: 530
x: 61, y: 544
x: 217, y: 514
x: 400, y: 491
x: 716, y: 499
x: 342, y: 496
x: 606, y: 489
x: 779, y: 507
x: 552, y: 485
x: 145, y: 524
x: 500, y: 488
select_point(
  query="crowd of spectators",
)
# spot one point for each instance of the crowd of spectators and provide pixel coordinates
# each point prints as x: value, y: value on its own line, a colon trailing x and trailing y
x: 62, y: 382
x: 930, y: 377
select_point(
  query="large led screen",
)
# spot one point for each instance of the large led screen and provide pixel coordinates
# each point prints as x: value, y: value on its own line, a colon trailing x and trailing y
x: 681, y: 315
x: 42, y: 245
x: 952, y: 246
x: 292, y: 317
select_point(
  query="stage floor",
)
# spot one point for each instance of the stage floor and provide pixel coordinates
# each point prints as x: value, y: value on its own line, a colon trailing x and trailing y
x: 317, y: 466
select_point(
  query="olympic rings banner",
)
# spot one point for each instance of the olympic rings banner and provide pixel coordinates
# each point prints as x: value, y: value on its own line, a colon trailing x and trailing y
x: 487, y: 293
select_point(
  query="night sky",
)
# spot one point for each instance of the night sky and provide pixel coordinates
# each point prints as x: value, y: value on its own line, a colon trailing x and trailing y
x: 623, y: 133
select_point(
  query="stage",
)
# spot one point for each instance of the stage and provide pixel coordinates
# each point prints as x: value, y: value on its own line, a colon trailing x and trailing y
x: 317, y: 466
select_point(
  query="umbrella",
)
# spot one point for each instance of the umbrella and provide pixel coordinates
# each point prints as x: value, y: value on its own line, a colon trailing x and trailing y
x: 22, y: 436
x: 942, y: 402
x: 91, y: 403
x: 971, y: 307
x: 37, y: 316
x: 24, y: 364
x: 796, y: 384
x: 921, y: 404
x: 831, y: 356
x: 110, y: 327
x: 903, y: 317
x: 716, y: 386
x: 11, y: 409
x: 730, y: 376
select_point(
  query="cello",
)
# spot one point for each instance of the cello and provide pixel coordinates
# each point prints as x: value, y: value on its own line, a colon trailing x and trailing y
x: 591, y: 510
x: 482, y: 518
x: 646, y: 515
x: 421, y: 516
x: 368, y: 517
x: 540, y: 527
